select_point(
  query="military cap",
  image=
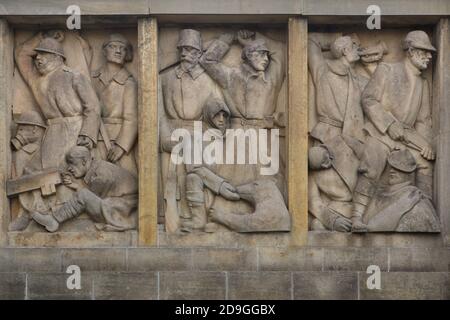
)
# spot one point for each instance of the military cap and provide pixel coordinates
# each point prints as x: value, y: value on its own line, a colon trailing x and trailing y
x: 402, y: 160
x: 50, y: 45
x: 190, y: 38
x: 418, y: 39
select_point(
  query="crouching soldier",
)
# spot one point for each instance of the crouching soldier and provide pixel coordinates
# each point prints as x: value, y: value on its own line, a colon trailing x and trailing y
x: 110, y: 197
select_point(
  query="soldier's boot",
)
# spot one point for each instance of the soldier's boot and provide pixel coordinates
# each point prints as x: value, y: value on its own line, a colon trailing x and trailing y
x: 20, y: 223
x: 199, y: 218
x: 364, y: 191
x: 52, y: 221
x: 425, y: 184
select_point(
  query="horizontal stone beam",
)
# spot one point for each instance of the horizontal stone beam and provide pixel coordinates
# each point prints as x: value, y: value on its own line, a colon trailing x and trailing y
x: 230, y: 7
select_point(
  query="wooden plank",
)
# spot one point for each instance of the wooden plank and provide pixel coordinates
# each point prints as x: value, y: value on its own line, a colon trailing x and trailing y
x: 6, y: 70
x: 148, y: 131
x: 297, y: 164
x: 441, y: 110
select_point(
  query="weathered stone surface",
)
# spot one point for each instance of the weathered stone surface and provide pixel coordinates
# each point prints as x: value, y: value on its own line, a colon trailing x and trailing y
x: 407, y: 285
x: 159, y: 259
x: 95, y: 259
x: 192, y: 285
x: 82, y: 239
x: 419, y: 259
x: 125, y: 286
x: 27, y: 259
x: 325, y: 285
x: 12, y: 286
x: 358, y: 259
x: 224, y: 259
x: 339, y: 239
x: 290, y: 258
x: 53, y: 286
x: 259, y: 285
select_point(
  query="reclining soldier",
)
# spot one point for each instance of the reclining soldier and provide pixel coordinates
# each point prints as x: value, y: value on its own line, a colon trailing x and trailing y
x: 110, y: 198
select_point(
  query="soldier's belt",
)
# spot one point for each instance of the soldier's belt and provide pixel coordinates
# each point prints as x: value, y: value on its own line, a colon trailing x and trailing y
x: 260, y: 123
x: 331, y: 122
x: 112, y: 120
x: 64, y: 119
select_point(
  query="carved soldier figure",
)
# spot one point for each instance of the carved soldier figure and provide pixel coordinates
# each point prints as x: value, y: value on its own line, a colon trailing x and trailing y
x: 66, y: 98
x: 110, y: 197
x: 338, y: 95
x: 329, y: 194
x: 26, y: 146
x: 250, y: 91
x: 117, y: 91
x: 396, y: 102
x: 401, y: 207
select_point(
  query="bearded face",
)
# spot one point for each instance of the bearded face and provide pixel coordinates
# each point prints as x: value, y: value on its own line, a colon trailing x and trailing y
x: 420, y: 58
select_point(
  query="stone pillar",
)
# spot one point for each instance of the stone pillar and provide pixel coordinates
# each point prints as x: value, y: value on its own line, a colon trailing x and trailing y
x: 297, y: 164
x: 6, y: 70
x: 441, y: 108
x: 148, y: 131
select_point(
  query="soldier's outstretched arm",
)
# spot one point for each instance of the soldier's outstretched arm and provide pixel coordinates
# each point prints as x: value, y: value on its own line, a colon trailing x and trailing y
x: 24, y: 54
x: 210, y: 60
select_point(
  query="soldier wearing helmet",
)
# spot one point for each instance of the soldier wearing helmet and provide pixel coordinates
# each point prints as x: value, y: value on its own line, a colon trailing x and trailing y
x: 396, y: 103
x: 401, y: 206
x: 66, y: 100
x: 117, y: 91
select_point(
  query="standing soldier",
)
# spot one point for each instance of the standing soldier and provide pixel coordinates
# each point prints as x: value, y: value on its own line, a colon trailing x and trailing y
x: 66, y: 99
x: 117, y: 91
x: 396, y: 102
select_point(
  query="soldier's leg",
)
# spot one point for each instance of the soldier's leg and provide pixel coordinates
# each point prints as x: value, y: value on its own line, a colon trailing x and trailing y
x: 424, y: 173
x: 372, y: 166
x: 68, y: 210
x: 196, y: 201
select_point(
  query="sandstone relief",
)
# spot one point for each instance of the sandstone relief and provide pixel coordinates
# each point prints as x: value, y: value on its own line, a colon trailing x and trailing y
x: 218, y: 90
x: 371, y: 158
x: 73, y: 151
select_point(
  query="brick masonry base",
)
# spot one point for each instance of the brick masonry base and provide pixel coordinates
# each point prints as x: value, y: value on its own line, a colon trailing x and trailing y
x: 263, y: 272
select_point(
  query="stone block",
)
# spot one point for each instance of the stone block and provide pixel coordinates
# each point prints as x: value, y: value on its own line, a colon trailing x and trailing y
x: 12, y: 286
x: 125, y: 286
x: 224, y: 259
x: 419, y: 259
x: 355, y: 259
x: 259, y: 286
x: 53, y: 286
x: 95, y: 259
x: 192, y: 285
x: 325, y: 285
x: 407, y: 286
x: 27, y: 259
x: 290, y: 258
x: 159, y: 259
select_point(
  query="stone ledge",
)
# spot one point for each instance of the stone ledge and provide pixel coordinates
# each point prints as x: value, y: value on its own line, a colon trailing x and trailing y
x: 69, y: 239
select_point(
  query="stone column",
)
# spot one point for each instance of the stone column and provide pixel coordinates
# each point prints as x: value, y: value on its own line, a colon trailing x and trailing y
x: 441, y: 109
x: 148, y: 131
x: 6, y: 71
x: 297, y: 146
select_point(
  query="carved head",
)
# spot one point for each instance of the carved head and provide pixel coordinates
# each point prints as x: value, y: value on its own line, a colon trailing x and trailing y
x: 190, y: 46
x: 256, y: 55
x: 117, y: 49
x: 49, y: 55
x: 216, y: 114
x: 78, y: 161
x: 345, y: 47
x: 419, y: 48
x: 402, y: 166
x: 30, y: 129
x: 320, y: 157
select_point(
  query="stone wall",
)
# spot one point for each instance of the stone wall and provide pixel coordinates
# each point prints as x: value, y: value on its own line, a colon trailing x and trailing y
x: 152, y: 263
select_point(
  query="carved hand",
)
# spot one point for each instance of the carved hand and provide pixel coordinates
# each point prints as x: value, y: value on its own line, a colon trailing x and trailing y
x: 342, y: 224
x: 115, y: 153
x: 396, y: 131
x: 85, y: 142
x: 229, y: 192
x: 68, y: 182
x: 428, y: 153
x: 55, y: 34
x: 245, y: 36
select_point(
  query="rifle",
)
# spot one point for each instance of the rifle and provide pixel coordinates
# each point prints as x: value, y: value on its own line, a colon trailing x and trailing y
x: 45, y: 180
